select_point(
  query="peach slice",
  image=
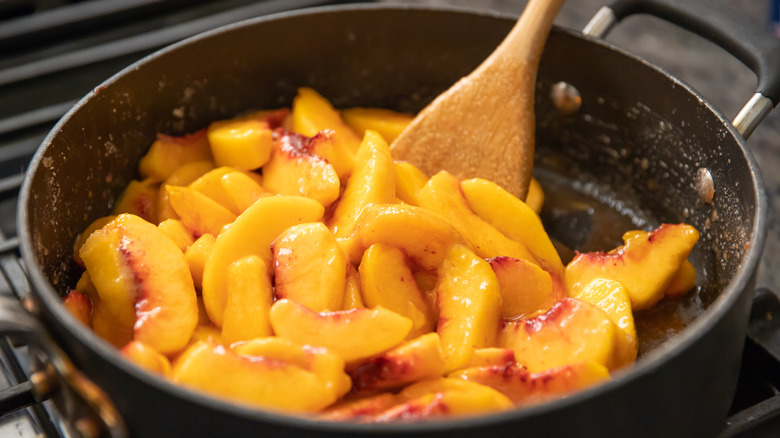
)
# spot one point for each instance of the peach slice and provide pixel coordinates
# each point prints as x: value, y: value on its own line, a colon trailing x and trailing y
x: 91, y: 228
x: 210, y: 184
x: 168, y: 153
x: 196, y: 256
x: 492, y: 356
x: 683, y: 281
x: 327, y: 366
x: 387, y: 281
x: 311, y: 113
x: 199, y: 213
x: 445, y: 397
x: 241, y: 144
x: 423, y: 235
x: 515, y: 219
x: 251, y: 233
x: 80, y: 306
x: 645, y: 265
x: 294, y: 170
x: 144, y: 281
x: 442, y: 194
x: 353, y: 334
x: 418, y: 359
x: 249, y: 298
x: 146, y: 357
x: 571, y: 331
x: 525, y: 287
x: 334, y: 152
x: 106, y: 326
x: 372, y: 182
x: 387, y: 123
x: 353, y: 296
x: 183, y: 176
x: 256, y: 381
x: 139, y: 198
x: 535, y: 197
x: 408, y: 181
x: 525, y: 388
x: 361, y: 408
x: 242, y: 190
x: 310, y: 267
x: 469, y: 306
x: 611, y: 297
x: 174, y: 229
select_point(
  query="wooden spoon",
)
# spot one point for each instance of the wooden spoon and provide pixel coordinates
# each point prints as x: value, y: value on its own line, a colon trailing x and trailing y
x: 483, y: 126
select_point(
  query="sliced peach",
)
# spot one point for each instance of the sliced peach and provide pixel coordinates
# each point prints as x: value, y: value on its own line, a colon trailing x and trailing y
x: 294, y: 170
x: 257, y: 381
x: 525, y: 287
x: 139, y: 198
x: 327, y: 366
x: 310, y: 267
x: 354, y: 334
x: 423, y: 235
x: 144, y: 281
x: 469, y: 306
x: 334, y: 152
x: 418, y: 359
x: 168, y: 153
x: 372, y: 182
x: 492, y: 356
x: 80, y: 306
x: 251, y: 233
x: 183, y: 176
x: 210, y: 184
x: 571, y: 331
x: 408, y: 181
x: 442, y: 194
x: 611, y: 297
x: 196, y: 256
x: 353, y: 296
x: 445, y: 397
x: 526, y: 388
x: 175, y: 230
x: 146, y: 357
x: 387, y: 123
x: 249, y: 298
x: 241, y: 144
x: 242, y: 190
x: 86, y: 287
x: 514, y: 218
x: 358, y: 409
x: 311, y: 113
x: 199, y: 213
x: 645, y: 265
x: 275, y: 118
x: 106, y: 326
x: 206, y: 333
x: 535, y: 197
x: 387, y: 281
x: 683, y: 281
x: 91, y: 228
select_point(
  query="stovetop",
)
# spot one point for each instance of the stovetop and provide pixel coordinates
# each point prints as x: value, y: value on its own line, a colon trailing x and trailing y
x: 52, y: 52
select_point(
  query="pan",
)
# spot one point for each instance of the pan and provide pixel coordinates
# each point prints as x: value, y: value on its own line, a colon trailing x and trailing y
x: 638, y: 144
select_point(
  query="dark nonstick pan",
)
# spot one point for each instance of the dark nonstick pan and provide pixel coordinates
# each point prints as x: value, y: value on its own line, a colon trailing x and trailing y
x: 643, y: 144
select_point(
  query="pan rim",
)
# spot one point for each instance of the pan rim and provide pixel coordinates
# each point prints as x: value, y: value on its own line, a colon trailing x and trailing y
x: 43, y: 290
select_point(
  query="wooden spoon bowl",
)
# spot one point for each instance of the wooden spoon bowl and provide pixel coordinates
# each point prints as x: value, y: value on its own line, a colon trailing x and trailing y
x: 484, y: 125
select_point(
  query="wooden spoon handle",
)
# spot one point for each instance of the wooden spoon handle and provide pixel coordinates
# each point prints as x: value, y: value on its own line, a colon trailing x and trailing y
x: 527, y: 37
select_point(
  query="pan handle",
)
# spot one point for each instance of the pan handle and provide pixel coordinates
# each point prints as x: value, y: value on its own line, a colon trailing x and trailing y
x: 751, y: 44
x: 85, y: 405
